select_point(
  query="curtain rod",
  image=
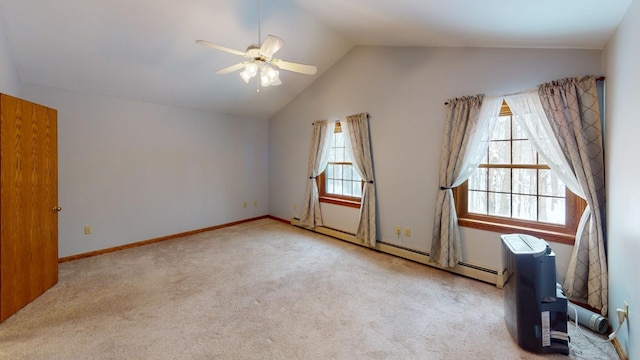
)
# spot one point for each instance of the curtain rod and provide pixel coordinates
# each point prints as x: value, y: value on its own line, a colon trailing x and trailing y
x: 330, y: 121
x: 601, y: 78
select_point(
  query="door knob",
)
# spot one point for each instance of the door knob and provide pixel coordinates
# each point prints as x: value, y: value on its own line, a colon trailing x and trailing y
x: 57, y: 208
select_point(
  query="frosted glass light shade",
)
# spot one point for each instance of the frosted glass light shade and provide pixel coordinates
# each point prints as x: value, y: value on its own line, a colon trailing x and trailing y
x: 251, y: 69
x: 269, y: 76
x: 264, y: 80
x: 246, y: 76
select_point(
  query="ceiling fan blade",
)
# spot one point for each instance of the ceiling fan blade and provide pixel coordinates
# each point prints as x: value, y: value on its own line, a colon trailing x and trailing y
x: 270, y: 46
x: 231, y: 68
x: 221, y: 48
x: 295, y: 67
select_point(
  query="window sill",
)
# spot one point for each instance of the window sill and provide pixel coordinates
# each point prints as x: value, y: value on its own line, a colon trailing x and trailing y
x: 548, y: 235
x: 340, y: 201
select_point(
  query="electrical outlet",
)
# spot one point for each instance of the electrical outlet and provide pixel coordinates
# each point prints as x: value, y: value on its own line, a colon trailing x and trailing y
x: 407, y: 232
x: 255, y: 203
x: 244, y: 205
x: 295, y: 206
x: 88, y: 230
x: 398, y: 230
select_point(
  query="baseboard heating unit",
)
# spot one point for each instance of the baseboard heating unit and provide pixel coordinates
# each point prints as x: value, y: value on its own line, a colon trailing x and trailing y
x: 491, y: 276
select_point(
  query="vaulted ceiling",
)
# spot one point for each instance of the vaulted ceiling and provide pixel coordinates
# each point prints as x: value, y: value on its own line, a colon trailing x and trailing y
x: 145, y: 49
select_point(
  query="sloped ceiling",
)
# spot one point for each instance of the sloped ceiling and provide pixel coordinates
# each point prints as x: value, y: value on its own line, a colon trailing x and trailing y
x: 145, y: 49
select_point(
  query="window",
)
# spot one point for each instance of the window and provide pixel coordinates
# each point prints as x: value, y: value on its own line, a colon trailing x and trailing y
x: 340, y: 183
x: 514, y: 190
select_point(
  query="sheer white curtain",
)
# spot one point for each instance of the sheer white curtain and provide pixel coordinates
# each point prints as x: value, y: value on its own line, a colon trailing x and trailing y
x: 318, y: 158
x: 469, y: 124
x: 528, y: 112
x: 358, y: 145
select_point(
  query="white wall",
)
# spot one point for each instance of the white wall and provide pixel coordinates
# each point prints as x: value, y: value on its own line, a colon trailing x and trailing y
x: 404, y: 89
x: 622, y: 56
x: 9, y: 83
x: 136, y: 171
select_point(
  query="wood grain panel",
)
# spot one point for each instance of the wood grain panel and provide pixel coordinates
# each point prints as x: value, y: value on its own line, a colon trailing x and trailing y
x: 28, y: 194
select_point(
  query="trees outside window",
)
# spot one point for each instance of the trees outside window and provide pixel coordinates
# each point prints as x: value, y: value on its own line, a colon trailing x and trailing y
x: 514, y: 190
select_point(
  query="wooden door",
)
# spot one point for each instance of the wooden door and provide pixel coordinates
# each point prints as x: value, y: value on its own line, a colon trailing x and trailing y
x: 29, y: 202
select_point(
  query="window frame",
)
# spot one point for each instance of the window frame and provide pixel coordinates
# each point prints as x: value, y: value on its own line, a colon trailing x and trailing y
x: 574, y: 207
x: 336, y: 199
x: 565, y: 234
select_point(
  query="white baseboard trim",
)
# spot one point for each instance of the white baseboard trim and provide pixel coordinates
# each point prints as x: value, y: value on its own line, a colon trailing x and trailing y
x: 491, y: 276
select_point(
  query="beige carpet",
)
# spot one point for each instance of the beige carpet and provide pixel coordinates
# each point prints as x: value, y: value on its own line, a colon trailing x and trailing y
x: 264, y: 290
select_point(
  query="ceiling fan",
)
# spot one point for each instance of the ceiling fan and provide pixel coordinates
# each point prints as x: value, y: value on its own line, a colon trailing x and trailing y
x: 259, y: 59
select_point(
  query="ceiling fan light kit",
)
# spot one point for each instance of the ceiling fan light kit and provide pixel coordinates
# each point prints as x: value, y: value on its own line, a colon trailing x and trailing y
x: 261, y: 60
x: 269, y: 75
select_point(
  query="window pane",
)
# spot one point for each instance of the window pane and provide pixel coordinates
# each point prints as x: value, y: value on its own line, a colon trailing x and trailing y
x: 478, y: 179
x: 523, y: 152
x: 356, y: 176
x: 485, y: 157
x: 330, y: 171
x: 524, y: 207
x: 357, y: 188
x: 331, y: 186
x: 518, y: 132
x: 347, y: 172
x: 347, y: 188
x: 338, y: 140
x: 550, y: 184
x: 500, y: 180
x: 339, y: 154
x: 524, y: 181
x: 332, y: 155
x: 499, y: 204
x: 541, y: 161
x: 502, y: 130
x: 477, y: 202
x: 499, y: 152
x: 337, y: 173
x: 347, y: 158
x: 552, y: 210
x: 337, y: 189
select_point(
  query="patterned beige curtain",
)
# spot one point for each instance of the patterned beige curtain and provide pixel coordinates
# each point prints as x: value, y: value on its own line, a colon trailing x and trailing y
x: 571, y: 105
x: 465, y: 139
x: 359, y: 141
x: 318, y: 158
